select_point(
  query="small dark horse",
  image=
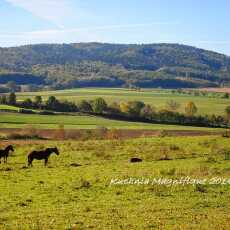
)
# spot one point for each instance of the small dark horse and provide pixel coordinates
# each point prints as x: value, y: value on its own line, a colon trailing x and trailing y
x: 5, y: 153
x: 41, y: 155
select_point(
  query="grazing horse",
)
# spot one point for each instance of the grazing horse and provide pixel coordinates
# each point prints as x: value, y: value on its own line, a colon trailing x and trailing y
x: 5, y: 153
x: 41, y: 155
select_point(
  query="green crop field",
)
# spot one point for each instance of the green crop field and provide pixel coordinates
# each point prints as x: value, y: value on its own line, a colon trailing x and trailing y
x: 67, y: 196
x: 19, y: 120
x: 155, y: 97
x: 8, y: 107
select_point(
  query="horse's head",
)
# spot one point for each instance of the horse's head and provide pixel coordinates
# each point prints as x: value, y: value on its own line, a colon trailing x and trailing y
x: 55, y: 150
x: 10, y: 148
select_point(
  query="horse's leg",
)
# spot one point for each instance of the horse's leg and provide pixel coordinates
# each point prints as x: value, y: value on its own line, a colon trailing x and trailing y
x: 46, y: 161
x: 30, y: 160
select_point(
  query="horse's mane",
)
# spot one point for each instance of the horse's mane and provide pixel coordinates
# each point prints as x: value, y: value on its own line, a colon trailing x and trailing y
x: 9, y: 147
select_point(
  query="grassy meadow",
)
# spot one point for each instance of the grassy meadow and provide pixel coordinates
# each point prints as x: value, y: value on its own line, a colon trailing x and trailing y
x: 156, y: 97
x: 68, y: 196
x: 75, y: 190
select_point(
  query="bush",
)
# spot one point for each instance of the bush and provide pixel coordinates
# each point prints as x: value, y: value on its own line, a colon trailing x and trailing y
x: 19, y: 136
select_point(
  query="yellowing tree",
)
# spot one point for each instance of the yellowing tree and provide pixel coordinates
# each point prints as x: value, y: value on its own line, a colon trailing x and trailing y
x: 172, y: 105
x: 124, y: 107
x: 190, y: 109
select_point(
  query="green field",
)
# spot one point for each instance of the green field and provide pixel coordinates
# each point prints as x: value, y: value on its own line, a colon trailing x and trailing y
x: 155, y: 97
x: 66, y: 197
x: 8, y: 107
x: 18, y: 120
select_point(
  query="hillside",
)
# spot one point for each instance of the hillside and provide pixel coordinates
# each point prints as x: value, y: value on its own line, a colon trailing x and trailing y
x: 113, y: 65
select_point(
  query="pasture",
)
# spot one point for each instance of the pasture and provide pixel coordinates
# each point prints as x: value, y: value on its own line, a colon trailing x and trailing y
x: 155, y: 97
x: 75, y: 190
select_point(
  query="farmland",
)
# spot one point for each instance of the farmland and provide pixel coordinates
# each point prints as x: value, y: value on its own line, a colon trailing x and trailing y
x: 158, y: 98
x: 75, y: 190
x: 66, y: 195
x: 17, y: 120
x: 155, y: 97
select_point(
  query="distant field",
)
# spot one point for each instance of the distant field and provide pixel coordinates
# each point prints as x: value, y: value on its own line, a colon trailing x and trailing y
x: 218, y: 90
x: 157, y: 98
x: 8, y: 107
x: 17, y: 120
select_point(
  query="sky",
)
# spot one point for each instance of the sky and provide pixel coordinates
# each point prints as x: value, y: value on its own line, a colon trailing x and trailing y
x: 200, y: 23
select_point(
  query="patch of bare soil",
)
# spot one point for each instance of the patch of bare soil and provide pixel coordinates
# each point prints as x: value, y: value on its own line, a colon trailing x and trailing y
x: 80, y: 134
x: 216, y: 90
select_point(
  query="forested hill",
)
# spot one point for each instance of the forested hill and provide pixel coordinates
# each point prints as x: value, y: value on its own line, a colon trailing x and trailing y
x: 113, y: 65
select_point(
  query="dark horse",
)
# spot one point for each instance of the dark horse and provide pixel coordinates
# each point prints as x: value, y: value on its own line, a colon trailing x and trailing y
x: 41, y: 155
x: 5, y: 153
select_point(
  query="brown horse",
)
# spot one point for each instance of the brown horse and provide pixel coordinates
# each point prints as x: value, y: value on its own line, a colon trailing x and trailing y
x: 5, y: 153
x: 41, y: 155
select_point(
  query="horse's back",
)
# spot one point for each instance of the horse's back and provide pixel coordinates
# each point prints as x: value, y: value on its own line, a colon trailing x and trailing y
x: 39, y: 155
x: 32, y: 153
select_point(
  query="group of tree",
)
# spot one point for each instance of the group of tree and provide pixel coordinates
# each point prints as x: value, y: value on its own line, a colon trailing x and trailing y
x: 9, y: 99
x: 201, y: 93
x: 110, y: 65
x: 126, y: 110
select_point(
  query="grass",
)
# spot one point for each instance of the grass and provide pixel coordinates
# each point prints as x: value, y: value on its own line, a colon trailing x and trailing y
x: 17, y: 120
x: 66, y: 197
x: 8, y: 107
x: 155, y: 97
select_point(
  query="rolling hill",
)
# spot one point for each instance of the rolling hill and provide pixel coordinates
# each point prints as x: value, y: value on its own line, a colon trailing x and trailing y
x: 113, y: 65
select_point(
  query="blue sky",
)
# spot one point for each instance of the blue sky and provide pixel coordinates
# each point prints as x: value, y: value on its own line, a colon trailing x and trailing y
x: 201, y: 23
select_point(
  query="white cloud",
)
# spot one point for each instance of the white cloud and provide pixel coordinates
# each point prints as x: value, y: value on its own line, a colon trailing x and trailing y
x: 54, y: 11
x: 83, y: 34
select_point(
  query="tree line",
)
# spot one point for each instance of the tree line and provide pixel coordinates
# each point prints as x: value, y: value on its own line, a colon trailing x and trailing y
x: 130, y: 111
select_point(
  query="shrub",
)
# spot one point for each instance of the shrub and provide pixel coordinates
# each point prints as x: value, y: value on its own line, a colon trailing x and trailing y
x: 19, y: 136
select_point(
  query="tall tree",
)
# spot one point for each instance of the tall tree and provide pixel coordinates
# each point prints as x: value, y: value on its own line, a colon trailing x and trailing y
x: 84, y: 106
x: 190, y: 109
x: 52, y: 103
x: 147, y: 112
x: 38, y: 101
x: 135, y: 107
x: 12, y: 99
x: 172, y: 105
x: 99, y: 105
x: 3, y: 99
